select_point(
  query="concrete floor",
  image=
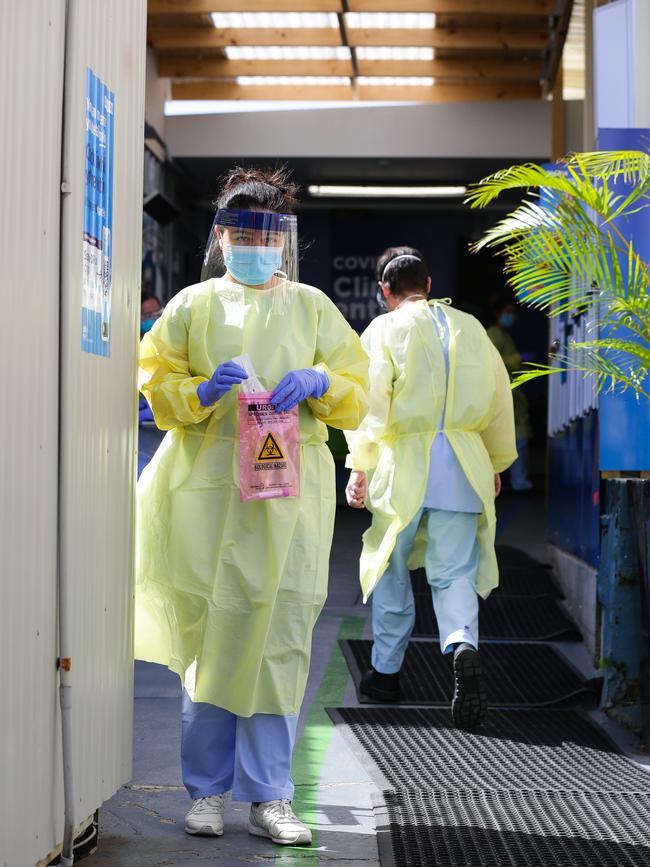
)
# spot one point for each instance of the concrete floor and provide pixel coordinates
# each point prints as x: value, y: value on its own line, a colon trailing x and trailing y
x: 142, y: 826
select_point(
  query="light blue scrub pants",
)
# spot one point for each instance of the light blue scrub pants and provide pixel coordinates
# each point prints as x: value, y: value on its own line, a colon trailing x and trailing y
x: 451, y: 564
x: 222, y: 752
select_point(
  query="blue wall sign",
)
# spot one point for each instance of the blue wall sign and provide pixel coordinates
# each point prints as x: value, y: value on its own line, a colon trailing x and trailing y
x: 98, y: 219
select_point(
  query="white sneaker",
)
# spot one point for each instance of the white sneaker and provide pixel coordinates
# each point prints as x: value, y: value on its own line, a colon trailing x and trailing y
x: 206, y: 816
x: 277, y: 821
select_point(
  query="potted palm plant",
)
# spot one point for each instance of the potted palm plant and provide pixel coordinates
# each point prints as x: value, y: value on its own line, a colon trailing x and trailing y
x: 566, y: 252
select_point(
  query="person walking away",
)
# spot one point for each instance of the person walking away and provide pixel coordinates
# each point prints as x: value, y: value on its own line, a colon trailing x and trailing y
x: 504, y: 317
x: 426, y: 462
x: 228, y: 592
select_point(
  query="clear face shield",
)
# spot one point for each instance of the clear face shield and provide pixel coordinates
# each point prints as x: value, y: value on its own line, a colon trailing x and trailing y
x: 256, y: 248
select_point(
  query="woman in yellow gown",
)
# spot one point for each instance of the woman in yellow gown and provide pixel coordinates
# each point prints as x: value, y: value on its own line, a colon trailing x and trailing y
x: 228, y: 592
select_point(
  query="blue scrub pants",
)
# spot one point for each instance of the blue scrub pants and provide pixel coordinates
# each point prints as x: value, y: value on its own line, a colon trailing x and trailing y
x: 221, y: 752
x: 451, y: 564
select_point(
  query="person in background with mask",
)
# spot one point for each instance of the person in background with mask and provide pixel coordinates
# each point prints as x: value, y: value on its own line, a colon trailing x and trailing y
x: 504, y: 317
x: 150, y: 311
x: 426, y: 462
x: 149, y: 437
x: 228, y: 592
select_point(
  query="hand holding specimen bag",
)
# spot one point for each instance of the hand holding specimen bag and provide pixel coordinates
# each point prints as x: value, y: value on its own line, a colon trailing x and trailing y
x: 269, y: 444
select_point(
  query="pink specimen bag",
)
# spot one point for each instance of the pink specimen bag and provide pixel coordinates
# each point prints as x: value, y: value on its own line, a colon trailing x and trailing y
x: 269, y: 449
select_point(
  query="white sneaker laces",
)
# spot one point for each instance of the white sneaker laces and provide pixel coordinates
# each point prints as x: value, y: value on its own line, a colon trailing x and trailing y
x: 281, y: 809
x: 208, y: 804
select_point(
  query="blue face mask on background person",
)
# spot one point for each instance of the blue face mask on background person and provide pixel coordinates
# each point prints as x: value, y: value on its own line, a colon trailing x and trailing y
x: 146, y: 325
x: 252, y: 265
x: 507, y: 320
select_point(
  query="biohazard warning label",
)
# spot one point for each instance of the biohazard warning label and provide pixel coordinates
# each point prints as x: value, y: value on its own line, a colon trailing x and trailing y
x: 270, y: 451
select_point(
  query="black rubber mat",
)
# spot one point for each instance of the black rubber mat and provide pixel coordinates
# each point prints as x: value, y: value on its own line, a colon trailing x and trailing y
x: 513, y: 829
x: 532, y: 580
x: 533, y: 618
x: 515, y: 750
x: 530, y: 675
x: 514, y: 558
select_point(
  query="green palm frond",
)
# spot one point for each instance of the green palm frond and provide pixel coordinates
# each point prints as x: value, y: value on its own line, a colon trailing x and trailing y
x: 565, y: 252
x: 631, y: 166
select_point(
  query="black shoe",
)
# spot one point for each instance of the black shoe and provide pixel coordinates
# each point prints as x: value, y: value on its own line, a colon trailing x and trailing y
x: 469, y: 704
x: 380, y: 687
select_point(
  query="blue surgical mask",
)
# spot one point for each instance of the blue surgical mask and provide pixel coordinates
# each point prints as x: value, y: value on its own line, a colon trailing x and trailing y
x: 147, y: 325
x: 507, y: 320
x: 252, y: 266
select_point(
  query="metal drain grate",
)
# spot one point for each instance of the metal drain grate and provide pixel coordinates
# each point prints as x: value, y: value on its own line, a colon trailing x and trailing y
x: 497, y: 829
x: 514, y: 674
x: 535, y: 618
x: 513, y: 750
x: 528, y: 581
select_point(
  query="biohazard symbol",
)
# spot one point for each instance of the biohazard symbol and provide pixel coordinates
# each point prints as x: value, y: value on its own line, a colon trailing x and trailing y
x: 270, y: 451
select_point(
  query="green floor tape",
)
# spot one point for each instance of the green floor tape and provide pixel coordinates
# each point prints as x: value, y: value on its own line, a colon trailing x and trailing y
x: 310, y: 751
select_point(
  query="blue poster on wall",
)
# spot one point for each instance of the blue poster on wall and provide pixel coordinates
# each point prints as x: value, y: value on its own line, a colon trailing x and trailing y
x: 98, y: 219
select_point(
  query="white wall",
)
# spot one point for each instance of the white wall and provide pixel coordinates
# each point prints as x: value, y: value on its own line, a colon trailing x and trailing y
x: 622, y: 65
x: 98, y: 403
x: 508, y: 130
x: 31, y: 98
x: 67, y: 438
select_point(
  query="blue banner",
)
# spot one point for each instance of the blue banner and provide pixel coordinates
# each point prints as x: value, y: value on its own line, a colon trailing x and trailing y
x: 98, y: 219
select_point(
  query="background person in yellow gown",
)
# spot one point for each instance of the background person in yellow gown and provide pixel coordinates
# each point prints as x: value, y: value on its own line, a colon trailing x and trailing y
x: 424, y: 460
x: 227, y: 593
x: 504, y: 314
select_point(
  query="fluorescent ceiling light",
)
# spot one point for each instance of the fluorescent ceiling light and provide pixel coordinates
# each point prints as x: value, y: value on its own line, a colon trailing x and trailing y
x: 387, y: 192
x: 292, y: 80
x: 368, y: 52
x: 396, y: 81
x: 261, y: 20
x: 187, y: 107
x: 390, y: 20
x: 287, y: 52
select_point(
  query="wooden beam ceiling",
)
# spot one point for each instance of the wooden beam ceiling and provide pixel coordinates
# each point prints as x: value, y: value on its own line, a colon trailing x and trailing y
x: 199, y: 90
x: 487, y: 7
x: 461, y: 69
x: 202, y: 37
x: 162, y: 7
x: 480, y: 38
x: 220, y: 67
x: 484, y: 49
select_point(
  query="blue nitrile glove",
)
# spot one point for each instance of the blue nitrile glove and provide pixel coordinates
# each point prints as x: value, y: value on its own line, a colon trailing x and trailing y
x: 144, y: 411
x: 296, y: 386
x: 222, y: 380
x: 528, y: 356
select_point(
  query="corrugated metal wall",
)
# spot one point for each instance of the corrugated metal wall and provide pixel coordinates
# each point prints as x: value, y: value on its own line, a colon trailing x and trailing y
x: 99, y: 403
x: 96, y: 414
x: 31, y: 91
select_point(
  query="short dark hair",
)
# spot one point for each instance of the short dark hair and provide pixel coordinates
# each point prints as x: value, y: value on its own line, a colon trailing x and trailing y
x: 254, y: 189
x: 147, y: 296
x: 409, y: 272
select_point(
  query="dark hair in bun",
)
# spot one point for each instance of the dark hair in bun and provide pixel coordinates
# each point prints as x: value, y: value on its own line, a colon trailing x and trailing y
x: 258, y: 189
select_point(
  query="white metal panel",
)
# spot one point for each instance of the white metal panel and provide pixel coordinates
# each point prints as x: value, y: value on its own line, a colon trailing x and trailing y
x: 98, y: 409
x: 640, y: 37
x: 613, y: 74
x: 31, y: 72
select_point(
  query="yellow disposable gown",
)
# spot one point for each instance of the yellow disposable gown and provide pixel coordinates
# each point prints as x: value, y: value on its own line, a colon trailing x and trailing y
x: 508, y: 351
x: 407, y: 393
x: 227, y: 593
